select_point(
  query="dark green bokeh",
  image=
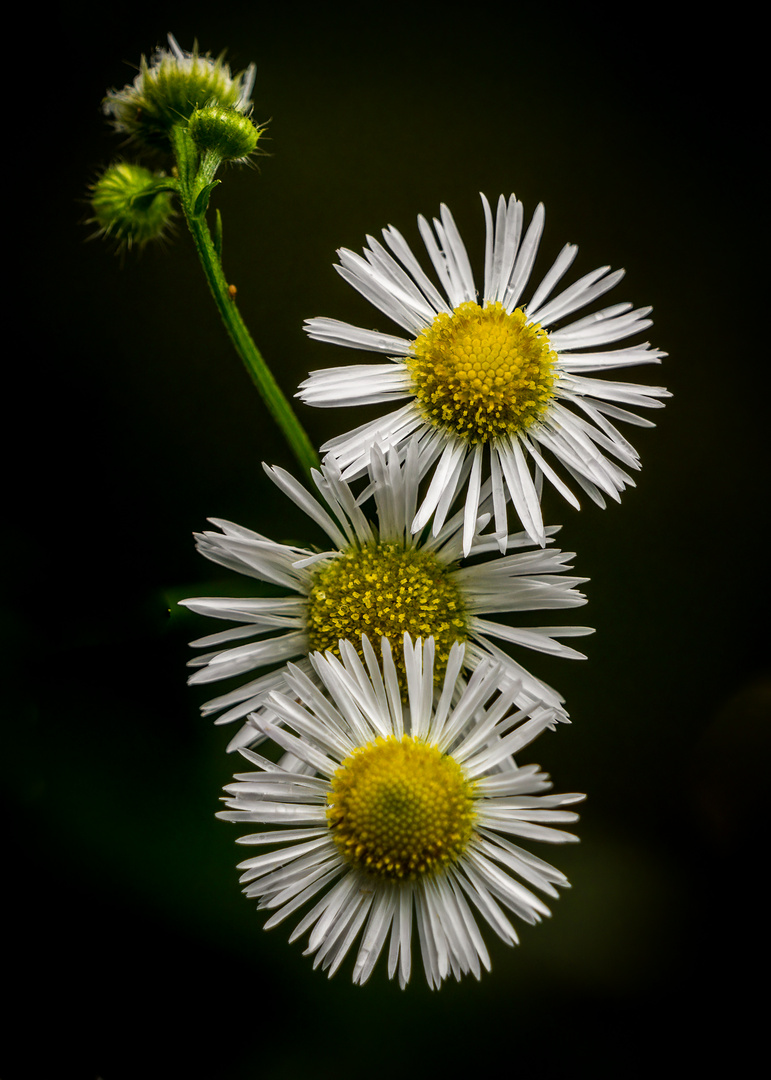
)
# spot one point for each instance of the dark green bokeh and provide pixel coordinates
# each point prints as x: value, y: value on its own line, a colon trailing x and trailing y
x: 137, y: 956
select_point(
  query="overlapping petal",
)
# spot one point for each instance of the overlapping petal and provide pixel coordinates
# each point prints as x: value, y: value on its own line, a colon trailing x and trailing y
x: 269, y: 632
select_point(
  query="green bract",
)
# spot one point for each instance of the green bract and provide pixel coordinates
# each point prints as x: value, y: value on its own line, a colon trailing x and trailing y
x: 170, y: 87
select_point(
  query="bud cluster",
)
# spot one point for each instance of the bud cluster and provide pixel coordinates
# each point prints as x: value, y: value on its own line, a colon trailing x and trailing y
x: 169, y: 88
x: 184, y: 102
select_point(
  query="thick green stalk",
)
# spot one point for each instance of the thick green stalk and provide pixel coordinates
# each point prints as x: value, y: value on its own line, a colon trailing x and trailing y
x: 193, y: 183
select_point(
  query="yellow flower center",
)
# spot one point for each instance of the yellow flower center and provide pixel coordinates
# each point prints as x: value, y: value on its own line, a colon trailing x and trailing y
x: 400, y: 809
x: 481, y: 372
x: 385, y: 590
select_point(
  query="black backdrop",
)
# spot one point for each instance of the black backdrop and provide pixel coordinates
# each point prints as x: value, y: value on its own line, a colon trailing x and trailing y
x: 132, y: 952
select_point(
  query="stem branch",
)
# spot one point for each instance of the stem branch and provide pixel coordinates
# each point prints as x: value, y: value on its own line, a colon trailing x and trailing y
x: 191, y: 182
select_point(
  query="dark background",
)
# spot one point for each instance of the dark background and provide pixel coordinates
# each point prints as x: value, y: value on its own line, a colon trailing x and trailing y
x: 132, y: 952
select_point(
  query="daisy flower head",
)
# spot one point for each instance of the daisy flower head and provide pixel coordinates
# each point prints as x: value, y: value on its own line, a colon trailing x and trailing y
x: 400, y: 814
x: 170, y: 87
x: 495, y: 386
x: 380, y: 580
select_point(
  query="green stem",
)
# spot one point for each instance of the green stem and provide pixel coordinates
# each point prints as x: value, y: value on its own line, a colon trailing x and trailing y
x: 192, y: 183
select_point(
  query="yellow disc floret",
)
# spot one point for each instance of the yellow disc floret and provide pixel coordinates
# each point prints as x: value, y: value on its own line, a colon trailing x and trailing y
x: 482, y: 372
x: 385, y: 590
x: 399, y: 808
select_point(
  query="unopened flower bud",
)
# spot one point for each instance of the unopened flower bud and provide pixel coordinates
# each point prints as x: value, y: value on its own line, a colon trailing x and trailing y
x: 226, y: 132
x: 129, y: 206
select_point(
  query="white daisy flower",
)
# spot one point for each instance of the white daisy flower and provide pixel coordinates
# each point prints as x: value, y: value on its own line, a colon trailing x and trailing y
x: 492, y: 386
x: 398, y: 811
x: 170, y: 87
x: 381, y: 580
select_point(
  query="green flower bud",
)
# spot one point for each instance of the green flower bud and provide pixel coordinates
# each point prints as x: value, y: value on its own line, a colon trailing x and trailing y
x: 169, y: 88
x: 226, y: 132
x: 130, y: 205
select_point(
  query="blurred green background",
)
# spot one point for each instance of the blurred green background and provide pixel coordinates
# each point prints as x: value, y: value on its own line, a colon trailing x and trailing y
x: 132, y: 952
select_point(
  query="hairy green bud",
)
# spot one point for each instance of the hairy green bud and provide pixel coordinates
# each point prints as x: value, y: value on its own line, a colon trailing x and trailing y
x: 131, y: 204
x: 225, y: 132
